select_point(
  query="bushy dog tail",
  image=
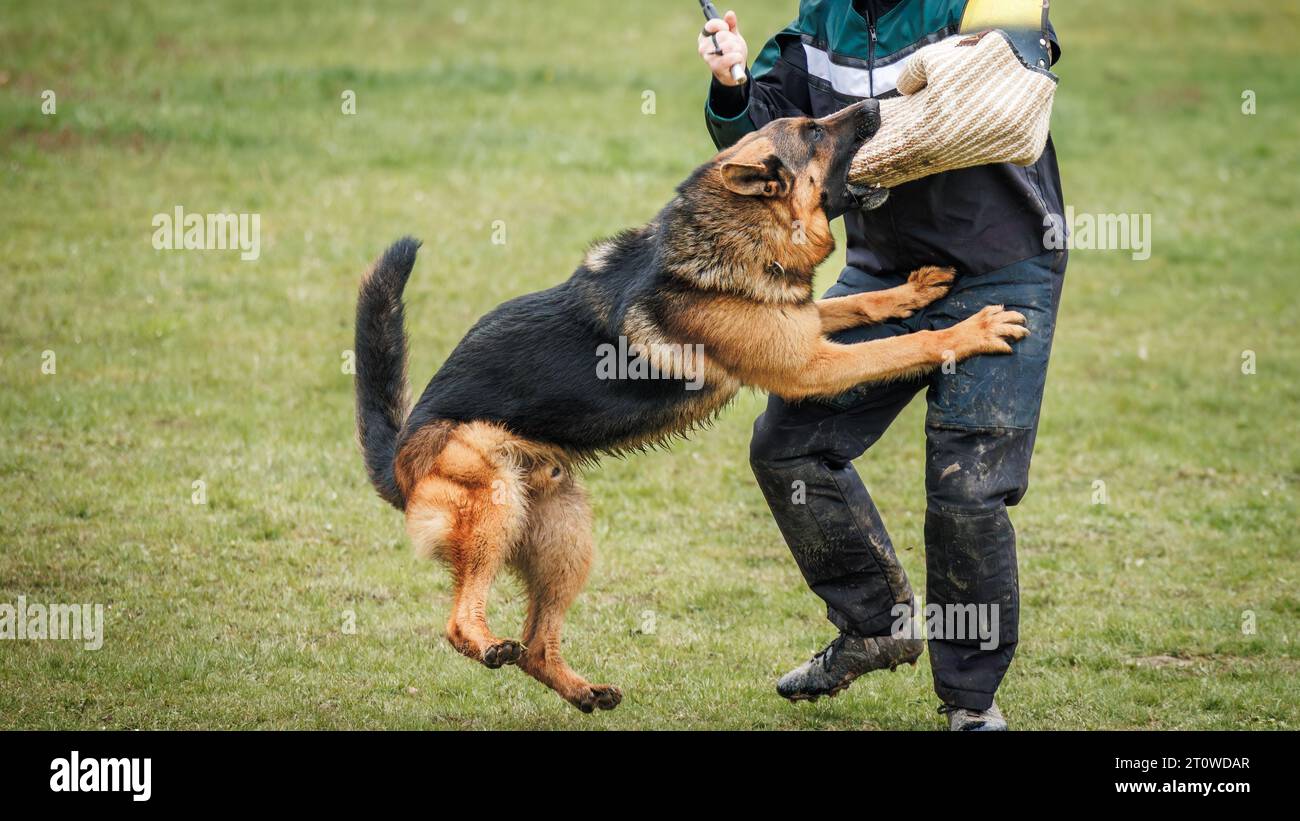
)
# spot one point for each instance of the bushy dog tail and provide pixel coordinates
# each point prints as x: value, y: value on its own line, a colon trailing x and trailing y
x: 380, y: 348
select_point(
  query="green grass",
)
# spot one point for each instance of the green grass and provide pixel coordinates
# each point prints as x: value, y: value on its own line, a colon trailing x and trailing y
x: 184, y: 366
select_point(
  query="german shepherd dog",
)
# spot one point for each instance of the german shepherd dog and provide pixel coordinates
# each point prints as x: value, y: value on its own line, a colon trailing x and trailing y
x: 484, y: 464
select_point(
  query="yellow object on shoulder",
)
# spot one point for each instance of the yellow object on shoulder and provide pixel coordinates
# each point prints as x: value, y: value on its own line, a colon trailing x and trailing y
x: 1001, y: 14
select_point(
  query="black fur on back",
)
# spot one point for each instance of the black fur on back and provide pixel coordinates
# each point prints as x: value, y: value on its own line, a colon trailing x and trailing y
x: 530, y: 364
x: 380, y: 349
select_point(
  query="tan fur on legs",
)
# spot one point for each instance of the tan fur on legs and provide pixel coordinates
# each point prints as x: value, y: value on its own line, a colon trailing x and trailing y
x: 794, y: 360
x: 923, y: 286
x: 553, y: 561
x: 470, y: 512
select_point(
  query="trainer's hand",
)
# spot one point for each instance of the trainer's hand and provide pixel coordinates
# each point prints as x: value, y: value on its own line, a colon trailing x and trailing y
x: 732, y: 45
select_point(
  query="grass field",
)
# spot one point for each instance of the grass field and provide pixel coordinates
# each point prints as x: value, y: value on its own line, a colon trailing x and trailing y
x: 181, y: 367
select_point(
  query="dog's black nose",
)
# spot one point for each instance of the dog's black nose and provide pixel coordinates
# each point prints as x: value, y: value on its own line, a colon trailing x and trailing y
x: 867, y: 120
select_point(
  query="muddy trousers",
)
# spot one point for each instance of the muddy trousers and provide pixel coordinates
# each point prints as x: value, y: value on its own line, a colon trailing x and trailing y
x: 980, y: 427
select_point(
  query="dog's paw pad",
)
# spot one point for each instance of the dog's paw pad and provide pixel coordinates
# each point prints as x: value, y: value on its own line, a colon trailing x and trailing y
x: 604, y: 696
x: 506, y: 652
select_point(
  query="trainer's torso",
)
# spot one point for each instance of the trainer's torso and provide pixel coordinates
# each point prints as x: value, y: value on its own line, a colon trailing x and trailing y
x: 976, y: 219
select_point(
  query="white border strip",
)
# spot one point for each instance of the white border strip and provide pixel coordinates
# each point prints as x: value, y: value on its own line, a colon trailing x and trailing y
x: 855, y: 82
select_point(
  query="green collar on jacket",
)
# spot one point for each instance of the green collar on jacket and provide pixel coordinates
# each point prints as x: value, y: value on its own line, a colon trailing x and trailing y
x: 836, y: 27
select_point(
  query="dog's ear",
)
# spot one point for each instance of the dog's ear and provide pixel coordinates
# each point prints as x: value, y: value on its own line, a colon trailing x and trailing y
x: 769, y: 178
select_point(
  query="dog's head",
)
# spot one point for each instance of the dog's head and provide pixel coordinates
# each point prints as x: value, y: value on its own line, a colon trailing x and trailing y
x: 766, y: 202
x: 790, y: 178
x: 801, y: 161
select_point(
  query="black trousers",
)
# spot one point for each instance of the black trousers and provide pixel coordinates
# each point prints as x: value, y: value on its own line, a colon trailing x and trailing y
x: 980, y: 428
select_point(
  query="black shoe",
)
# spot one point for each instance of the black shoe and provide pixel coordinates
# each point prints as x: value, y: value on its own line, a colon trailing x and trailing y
x: 843, y: 660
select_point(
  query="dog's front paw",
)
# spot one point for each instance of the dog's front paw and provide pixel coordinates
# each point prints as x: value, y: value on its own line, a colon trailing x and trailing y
x: 992, y: 330
x: 929, y: 284
x: 923, y: 286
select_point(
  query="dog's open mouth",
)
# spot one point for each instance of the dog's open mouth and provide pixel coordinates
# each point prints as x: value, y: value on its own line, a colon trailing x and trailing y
x: 866, y: 197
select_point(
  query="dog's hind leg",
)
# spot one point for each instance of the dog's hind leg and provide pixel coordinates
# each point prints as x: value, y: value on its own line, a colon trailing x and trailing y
x: 470, y: 512
x: 554, y: 560
x: 473, y: 572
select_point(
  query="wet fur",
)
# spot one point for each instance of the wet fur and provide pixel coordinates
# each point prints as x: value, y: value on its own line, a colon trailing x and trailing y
x: 484, y: 464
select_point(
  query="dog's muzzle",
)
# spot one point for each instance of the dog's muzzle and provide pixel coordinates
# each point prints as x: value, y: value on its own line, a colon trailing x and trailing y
x: 866, y: 122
